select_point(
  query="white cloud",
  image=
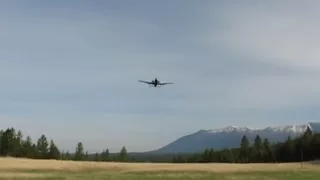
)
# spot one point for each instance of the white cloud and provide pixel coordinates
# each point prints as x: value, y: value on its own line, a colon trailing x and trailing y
x: 276, y: 32
x: 273, y: 92
x: 279, y: 34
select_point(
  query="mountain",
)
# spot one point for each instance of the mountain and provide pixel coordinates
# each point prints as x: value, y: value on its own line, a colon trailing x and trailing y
x: 231, y: 136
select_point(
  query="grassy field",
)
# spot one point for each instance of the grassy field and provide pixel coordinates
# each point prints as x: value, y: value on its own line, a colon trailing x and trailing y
x: 11, y: 168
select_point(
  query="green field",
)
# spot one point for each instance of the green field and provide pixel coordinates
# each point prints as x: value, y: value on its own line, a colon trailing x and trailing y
x: 49, y: 169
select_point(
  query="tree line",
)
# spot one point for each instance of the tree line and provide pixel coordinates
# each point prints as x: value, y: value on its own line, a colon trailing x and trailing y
x: 13, y: 144
x: 305, y: 147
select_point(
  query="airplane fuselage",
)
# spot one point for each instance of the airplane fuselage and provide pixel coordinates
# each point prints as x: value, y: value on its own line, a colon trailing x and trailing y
x: 155, y: 82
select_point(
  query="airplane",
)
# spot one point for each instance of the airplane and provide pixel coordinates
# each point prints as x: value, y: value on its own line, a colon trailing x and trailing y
x: 154, y: 83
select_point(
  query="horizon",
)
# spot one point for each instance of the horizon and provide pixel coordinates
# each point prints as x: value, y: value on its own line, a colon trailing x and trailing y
x: 70, y: 69
x: 220, y: 128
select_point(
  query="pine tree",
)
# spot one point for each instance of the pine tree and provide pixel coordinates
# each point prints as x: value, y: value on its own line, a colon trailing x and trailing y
x: 97, y: 157
x: 105, y: 155
x: 257, y: 153
x: 206, y: 155
x: 1, y: 135
x: 231, y: 156
x: 54, y: 152
x: 8, y: 142
x: 244, y: 149
x: 306, y: 142
x: 180, y: 159
x: 267, y: 153
x: 315, y: 145
x: 34, y: 150
x: 174, y: 159
x: 123, y: 154
x: 286, y: 150
x: 17, y: 144
x: 211, y: 155
x: 86, y: 156
x: 79, y: 154
x: 42, y: 147
x: 28, y: 150
x: 68, y: 156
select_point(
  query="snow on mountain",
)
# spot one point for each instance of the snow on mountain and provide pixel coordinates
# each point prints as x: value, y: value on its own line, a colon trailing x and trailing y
x: 290, y: 128
x: 231, y: 136
x: 229, y: 129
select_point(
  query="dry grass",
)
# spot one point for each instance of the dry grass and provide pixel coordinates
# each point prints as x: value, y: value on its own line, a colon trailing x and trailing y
x: 12, y: 164
x: 13, y: 168
x: 21, y: 174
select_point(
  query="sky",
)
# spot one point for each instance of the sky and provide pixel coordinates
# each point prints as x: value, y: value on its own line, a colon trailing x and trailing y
x: 69, y: 69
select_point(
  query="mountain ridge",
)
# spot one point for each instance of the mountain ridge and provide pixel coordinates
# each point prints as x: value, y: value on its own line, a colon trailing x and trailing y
x: 230, y: 137
x: 294, y: 128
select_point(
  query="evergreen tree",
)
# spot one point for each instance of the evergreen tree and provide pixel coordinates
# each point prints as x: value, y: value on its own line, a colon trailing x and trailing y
x: 180, y: 159
x: 105, y: 155
x: 315, y: 146
x: 97, y: 157
x: 54, y: 152
x: 267, y: 155
x: 86, y: 156
x: 123, y: 156
x: 68, y: 156
x: 306, y: 148
x: 17, y: 144
x: 34, y: 150
x: 7, y: 142
x: 290, y: 149
x: 244, y: 149
x: 79, y: 154
x: 211, y: 157
x: 42, y: 147
x: 174, y: 159
x: 206, y: 156
x: 28, y: 150
x: 257, y: 149
x: 1, y: 150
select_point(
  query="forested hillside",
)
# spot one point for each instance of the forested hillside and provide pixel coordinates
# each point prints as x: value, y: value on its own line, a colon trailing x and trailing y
x: 230, y: 136
x: 307, y: 147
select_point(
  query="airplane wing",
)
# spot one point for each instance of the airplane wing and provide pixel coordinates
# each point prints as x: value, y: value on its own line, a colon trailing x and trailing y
x: 165, y: 83
x: 145, y: 82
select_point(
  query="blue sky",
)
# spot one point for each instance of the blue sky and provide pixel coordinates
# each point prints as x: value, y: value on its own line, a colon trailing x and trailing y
x: 69, y: 69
